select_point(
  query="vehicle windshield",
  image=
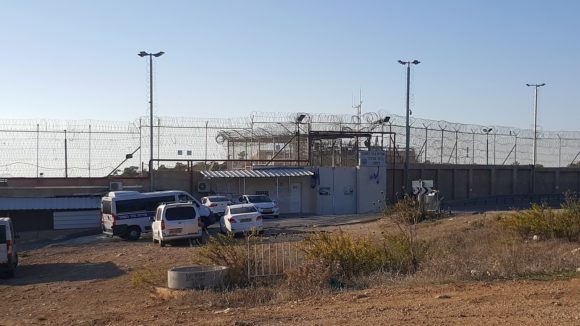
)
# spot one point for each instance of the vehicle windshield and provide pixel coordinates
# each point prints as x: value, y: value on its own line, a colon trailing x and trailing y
x: 180, y: 213
x: 259, y: 199
x: 242, y: 209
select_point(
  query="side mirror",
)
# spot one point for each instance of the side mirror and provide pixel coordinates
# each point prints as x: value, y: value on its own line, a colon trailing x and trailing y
x: 151, y: 219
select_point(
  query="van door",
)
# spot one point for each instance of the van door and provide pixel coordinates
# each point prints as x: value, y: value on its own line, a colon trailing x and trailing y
x: 3, y: 246
x: 181, y: 220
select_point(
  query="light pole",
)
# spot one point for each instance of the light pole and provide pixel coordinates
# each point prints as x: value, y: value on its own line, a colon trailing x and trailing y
x: 151, y: 55
x: 487, y: 131
x: 298, y: 121
x: 407, y: 126
x: 535, y: 86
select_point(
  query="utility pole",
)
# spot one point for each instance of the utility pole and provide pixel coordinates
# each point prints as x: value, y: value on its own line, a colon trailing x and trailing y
x: 535, y: 86
x: 150, y: 55
x: 407, y: 126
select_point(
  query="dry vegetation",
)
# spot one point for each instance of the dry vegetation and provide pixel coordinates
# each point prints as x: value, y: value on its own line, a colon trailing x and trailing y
x: 539, y: 243
x: 402, y: 269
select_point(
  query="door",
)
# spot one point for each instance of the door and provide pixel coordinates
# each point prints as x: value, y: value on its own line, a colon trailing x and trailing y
x: 295, y: 198
x: 3, y: 246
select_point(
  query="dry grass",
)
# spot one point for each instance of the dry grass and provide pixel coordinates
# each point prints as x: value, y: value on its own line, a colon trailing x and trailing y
x: 148, y: 276
x: 488, y: 251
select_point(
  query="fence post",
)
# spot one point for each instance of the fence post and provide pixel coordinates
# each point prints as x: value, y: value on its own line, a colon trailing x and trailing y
x: 426, y: 130
x: 248, y: 246
x: 559, y: 151
x: 442, y: 131
x: 494, y: 134
x: 37, y: 147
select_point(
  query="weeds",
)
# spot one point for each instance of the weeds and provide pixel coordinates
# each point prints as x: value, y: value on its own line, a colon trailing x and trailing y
x: 147, y: 276
x: 225, y: 250
x: 548, y: 223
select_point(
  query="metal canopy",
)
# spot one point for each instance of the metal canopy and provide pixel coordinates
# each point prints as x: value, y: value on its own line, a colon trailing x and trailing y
x: 258, y: 173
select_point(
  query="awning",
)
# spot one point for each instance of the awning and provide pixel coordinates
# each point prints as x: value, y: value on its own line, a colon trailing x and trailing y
x: 258, y: 173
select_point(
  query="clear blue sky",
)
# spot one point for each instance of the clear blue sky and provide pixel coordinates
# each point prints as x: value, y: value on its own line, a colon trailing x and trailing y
x: 78, y: 59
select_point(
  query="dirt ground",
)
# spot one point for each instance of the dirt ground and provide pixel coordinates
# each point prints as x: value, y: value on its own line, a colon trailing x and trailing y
x: 93, y: 283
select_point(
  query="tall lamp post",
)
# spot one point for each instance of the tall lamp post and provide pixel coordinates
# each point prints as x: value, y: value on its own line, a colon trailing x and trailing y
x: 150, y: 55
x: 535, y: 86
x: 487, y: 131
x: 298, y: 121
x: 407, y: 126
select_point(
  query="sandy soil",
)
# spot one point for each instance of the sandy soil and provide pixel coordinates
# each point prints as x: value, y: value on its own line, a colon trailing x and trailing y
x: 93, y: 284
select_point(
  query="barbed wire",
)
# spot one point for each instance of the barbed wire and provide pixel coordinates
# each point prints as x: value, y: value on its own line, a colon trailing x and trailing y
x: 93, y: 147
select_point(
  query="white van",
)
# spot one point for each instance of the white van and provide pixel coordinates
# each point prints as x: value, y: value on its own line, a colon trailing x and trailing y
x: 128, y: 214
x: 8, y: 253
x: 176, y: 221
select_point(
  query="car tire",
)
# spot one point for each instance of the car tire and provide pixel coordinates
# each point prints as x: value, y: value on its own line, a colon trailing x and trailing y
x: 154, y: 240
x: 133, y: 233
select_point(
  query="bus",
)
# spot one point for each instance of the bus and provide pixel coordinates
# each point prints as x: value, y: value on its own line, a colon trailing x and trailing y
x: 128, y: 214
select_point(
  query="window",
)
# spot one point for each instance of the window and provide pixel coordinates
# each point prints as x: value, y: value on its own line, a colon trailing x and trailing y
x: 2, y: 233
x: 158, y: 214
x: 259, y: 199
x: 219, y: 199
x: 106, y: 207
x: 179, y: 213
x: 142, y: 204
x: 243, y: 209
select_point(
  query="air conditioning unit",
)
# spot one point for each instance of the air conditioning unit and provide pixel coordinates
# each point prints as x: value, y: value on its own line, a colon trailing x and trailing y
x: 203, y: 186
x: 115, y: 186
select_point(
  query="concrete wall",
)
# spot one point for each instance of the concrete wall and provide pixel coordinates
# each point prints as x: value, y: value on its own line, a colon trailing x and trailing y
x: 457, y: 182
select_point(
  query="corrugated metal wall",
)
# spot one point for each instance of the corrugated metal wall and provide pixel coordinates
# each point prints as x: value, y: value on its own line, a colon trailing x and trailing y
x: 77, y: 220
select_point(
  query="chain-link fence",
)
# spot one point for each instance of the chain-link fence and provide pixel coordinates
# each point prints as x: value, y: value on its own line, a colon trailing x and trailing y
x: 52, y: 148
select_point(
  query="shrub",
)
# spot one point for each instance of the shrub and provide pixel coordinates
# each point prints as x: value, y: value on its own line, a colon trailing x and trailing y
x: 345, y: 256
x: 492, y: 252
x: 225, y: 250
x: 547, y: 223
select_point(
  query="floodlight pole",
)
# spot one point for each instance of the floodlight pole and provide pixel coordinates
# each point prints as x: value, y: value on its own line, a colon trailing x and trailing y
x: 150, y: 55
x: 407, y: 126
x: 536, y: 86
x: 487, y: 131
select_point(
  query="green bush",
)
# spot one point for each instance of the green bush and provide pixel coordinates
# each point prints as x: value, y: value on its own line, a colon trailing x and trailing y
x: 547, y: 223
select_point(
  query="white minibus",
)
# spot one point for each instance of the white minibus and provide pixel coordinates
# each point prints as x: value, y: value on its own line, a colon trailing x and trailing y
x: 128, y: 214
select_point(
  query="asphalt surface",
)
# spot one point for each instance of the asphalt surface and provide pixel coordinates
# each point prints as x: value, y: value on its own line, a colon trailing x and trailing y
x: 272, y: 227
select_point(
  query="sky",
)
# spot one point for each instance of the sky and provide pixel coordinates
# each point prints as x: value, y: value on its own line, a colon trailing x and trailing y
x: 78, y: 60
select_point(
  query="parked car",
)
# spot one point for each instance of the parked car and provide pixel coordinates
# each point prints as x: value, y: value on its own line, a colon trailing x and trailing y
x: 8, y: 252
x: 217, y: 204
x: 128, y: 214
x: 265, y: 205
x: 176, y: 221
x: 241, y: 218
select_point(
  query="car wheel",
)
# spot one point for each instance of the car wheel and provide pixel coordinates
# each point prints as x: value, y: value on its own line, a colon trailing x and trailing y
x: 154, y: 240
x: 133, y: 233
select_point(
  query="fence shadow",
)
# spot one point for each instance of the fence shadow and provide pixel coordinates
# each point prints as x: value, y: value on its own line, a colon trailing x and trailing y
x: 58, y: 272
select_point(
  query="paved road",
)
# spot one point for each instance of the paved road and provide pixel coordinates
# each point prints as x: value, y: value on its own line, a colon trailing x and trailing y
x: 272, y: 226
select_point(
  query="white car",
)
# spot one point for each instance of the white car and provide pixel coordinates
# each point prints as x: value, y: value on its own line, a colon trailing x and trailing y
x: 8, y: 253
x: 265, y: 205
x: 176, y: 221
x: 241, y: 218
x: 217, y: 204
